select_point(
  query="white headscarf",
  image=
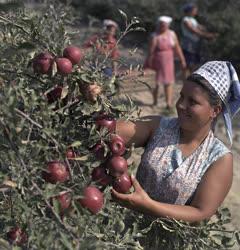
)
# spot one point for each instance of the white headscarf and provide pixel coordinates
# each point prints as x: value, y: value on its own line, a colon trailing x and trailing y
x: 165, y: 19
x: 222, y: 76
x: 109, y: 22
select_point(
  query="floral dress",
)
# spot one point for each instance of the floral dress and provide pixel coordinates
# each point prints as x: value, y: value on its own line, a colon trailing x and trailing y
x: 165, y: 174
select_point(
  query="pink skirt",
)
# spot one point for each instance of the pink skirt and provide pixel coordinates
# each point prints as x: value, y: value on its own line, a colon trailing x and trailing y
x: 163, y: 64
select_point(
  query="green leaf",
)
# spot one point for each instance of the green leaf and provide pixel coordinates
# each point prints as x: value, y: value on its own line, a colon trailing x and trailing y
x: 66, y: 241
x: 76, y: 144
x: 123, y: 14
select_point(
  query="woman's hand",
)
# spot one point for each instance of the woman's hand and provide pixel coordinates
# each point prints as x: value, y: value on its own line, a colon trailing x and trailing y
x: 183, y: 64
x: 138, y: 200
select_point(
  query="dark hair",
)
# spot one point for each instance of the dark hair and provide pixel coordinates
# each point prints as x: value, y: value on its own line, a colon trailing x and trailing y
x: 187, y: 8
x: 213, y: 97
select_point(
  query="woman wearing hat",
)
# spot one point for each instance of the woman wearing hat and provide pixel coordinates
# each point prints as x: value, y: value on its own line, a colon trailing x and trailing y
x: 192, y: 34
x: 163, y: 44
x: 106, y: 44
x: 185, y: 171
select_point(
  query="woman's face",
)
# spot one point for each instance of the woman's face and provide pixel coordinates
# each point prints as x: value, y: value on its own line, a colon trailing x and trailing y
x: 194, y: 11
x: 163, y: 26
x: 193, y: 107
x: 111, y: 30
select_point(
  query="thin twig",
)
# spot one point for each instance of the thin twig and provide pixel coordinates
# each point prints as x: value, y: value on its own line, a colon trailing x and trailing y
x: 53, y: 211
x: 21, y: 73
x: 14, y: 24
x: 28, y: 118
x: 22, y: 114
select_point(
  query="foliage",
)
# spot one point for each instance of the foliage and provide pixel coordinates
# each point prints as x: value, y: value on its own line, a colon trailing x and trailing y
x: 218, y: 16
x: 34, y: 132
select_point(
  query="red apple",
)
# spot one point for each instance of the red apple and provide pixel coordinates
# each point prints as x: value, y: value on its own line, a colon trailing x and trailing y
x: 54, y: 94
x: 123, y: 183
x: 105, y: 121
x: 98, y: 151
x: 70, y: 154
x: 117, y: 145
x: 64, y: 65
x: 73, y: 53
x: 42, y: 63
x: 117, y: 166
x: 56, y: 172
x: 100, y: 176
x: 64, y: 199
x: 17, y: 235
x: 92, y: 199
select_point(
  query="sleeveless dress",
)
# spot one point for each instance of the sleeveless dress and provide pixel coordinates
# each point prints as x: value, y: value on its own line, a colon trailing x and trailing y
x: 163, y: 58
x: 165, y: 174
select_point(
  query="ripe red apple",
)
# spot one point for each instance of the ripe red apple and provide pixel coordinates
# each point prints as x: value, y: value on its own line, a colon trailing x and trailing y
x: 100, y: 176
x: 117, y: 145
x: 56, y: 172
x: 92, y: 199
x: 70, y: 154
x: 42, y: 63
x: 107, y: 122
x: 64, y: 199
x: 123, y: 183
x: 64, y: 65
x: 17, y: 235
x: 54, y: 94
x: 117, y: 166
x: 73, y: 53
x: 98, y: 151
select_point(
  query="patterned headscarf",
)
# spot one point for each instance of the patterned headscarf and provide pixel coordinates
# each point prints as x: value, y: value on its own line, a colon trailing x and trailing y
x: 222, y: 76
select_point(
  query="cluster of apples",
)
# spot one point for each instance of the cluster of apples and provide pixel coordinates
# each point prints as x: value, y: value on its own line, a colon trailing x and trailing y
x: 56, y: 171
x: 43, y: 64
x: 113, y: 170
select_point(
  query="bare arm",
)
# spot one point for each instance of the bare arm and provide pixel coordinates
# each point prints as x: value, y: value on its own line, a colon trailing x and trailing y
x: 199, y: 30
x: 210, y: 194
x: 151, y: 48
x: 178, y: 51
x: 137, y: 132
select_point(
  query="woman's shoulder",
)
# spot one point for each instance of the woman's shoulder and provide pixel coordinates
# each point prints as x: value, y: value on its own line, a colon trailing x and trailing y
x: 218, y: 149
x: 218, y: 144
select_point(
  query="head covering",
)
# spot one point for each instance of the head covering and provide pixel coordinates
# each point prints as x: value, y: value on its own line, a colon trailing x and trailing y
x: 188, y: 7
x: 165, y: 19
x: 109, y: 22
x: 222, y: 76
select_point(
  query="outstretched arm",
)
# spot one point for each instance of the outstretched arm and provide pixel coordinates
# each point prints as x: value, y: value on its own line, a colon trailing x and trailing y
x: 210, y: 194
x: 199, y: 30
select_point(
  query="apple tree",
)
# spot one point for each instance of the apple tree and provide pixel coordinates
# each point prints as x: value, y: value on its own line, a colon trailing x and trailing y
x: 59, y: 155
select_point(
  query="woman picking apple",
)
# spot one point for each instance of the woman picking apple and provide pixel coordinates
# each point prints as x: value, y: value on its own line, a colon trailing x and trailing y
x: 185, y: 172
